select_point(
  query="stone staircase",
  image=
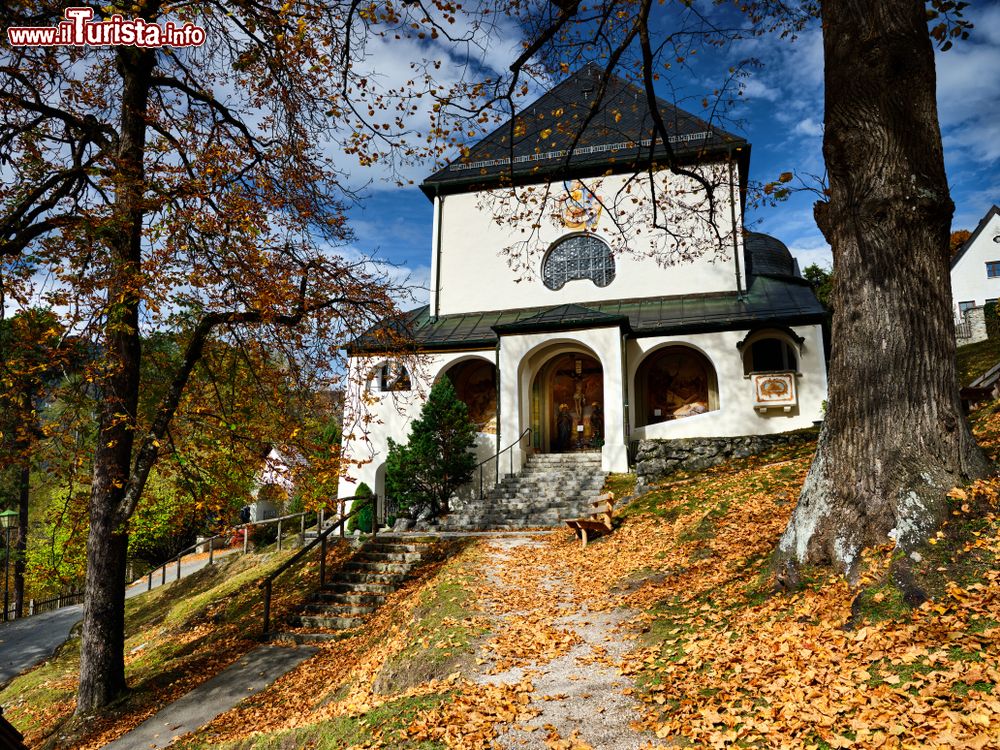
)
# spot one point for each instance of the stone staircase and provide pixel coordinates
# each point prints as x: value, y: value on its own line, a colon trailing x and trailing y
x: 361, y: 585
x: 549, y: 489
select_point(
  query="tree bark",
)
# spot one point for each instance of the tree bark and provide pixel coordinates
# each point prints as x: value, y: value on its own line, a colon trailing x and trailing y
x: 894, y: 440
x: 102, y: 661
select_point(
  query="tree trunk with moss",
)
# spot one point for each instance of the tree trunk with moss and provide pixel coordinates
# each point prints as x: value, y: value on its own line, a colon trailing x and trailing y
x: 895, y: 439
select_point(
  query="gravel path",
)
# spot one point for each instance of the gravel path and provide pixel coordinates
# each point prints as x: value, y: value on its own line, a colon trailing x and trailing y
x: 580, y: 695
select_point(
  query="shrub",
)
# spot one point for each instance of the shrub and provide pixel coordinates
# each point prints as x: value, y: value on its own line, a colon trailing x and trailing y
x: 364, y: 519
x: 436, y: 460
x: 992, y: 320
x: 262, y: 536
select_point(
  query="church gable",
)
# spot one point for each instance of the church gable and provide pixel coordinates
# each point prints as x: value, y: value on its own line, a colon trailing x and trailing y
x: 562, y: 133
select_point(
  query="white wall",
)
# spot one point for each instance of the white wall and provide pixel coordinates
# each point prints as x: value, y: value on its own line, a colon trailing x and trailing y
x: 475, y: 275
x: 735, y: 415
x: 522, y: 357
x: 968, y: 278
x: 371, y: 418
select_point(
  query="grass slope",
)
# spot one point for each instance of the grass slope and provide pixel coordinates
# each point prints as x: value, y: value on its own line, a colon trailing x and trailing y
x: 975, y: 359
x: 721, y: 660
x: 177, y: 636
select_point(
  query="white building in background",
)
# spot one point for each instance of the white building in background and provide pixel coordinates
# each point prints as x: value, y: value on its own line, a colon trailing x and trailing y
x: 273, y: 485
x: 592, y: 344
x: 975, y: 268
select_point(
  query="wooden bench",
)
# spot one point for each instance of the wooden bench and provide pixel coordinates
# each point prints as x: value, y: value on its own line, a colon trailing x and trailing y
x: 599, y: 522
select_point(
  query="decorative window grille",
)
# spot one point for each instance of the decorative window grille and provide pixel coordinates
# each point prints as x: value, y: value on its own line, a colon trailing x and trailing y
x: 392, y: 376
x: 579, y: 256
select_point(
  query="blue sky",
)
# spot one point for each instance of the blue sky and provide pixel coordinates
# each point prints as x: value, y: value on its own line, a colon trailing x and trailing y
x: 781, y: 114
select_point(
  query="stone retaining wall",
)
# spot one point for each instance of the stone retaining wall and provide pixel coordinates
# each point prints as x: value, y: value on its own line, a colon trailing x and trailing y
x: 656, y: 459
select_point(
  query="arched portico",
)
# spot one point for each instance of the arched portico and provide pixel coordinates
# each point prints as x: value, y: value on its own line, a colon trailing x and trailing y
x: 538, y: 375
x: 567, y: 403
x: 475, y: 382
x: 673, y: 382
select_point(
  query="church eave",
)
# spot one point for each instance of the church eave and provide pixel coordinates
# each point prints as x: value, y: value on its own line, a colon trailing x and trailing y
x: 442, y: 183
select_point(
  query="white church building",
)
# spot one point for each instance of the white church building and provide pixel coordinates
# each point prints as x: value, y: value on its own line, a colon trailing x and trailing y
x: 569, y: 322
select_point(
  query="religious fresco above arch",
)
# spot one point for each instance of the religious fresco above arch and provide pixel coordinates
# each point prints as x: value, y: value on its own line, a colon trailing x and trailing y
x: 673, y: 383
x: 475, y: 383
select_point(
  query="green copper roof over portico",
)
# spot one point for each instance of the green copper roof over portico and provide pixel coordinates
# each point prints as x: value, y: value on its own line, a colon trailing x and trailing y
x: 770, y: 301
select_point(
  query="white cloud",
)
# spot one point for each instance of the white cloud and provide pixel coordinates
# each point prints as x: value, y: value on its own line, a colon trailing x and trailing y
x: 755, y: 89
x: 809, y: 127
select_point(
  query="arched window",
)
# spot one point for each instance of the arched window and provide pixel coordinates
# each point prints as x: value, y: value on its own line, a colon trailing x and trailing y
x: 579, y: 256
x: 769, y: 351
x: 390, y: 376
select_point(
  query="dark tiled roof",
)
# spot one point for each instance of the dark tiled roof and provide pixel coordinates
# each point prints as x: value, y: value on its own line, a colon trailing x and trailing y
x: 543, y: 132
x: 770, y: 301
x: 768, y: 256
x: 994, y: 210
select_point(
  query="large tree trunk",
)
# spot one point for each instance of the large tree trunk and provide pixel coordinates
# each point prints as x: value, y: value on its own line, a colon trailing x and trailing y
x: 894, y: 440
x: 102, y: 662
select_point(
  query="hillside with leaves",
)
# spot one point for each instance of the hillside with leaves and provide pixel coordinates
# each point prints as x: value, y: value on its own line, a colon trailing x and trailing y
x: 668, y: 633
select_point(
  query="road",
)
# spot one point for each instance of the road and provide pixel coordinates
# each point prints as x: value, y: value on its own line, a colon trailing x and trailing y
x: 26, y: 642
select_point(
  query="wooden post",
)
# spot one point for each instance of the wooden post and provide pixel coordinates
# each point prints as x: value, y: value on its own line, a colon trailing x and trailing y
x: 178, y: 567
x: 302, y: 530
x: 322, y: 518
x: 31, y: 607
x: 267, y: 607
x: 279, y: 535
x: 246, y: 538
x: 322, y: 563
x: 149, y: 581
x: 211, y: 550
x: 163, y: 577
x: 58, y: 601
x: 343, y: 505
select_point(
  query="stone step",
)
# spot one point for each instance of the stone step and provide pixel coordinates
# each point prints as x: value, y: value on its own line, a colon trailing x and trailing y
x: 587, y: 459
x: 330, y: 623
x: 337, y: 610
x: 371, y: 556
x: 345, y: 587
x: 547, y: 496
x: 549, y: 487
x: 389, y: 579
x: 396, y: 548
x: 355, y: 598
x: 370, y: 566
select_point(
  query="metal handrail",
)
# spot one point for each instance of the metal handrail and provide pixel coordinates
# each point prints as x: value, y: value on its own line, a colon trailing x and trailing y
x: 341, y: 523
x: 210, y: 541
x: 496, y: 459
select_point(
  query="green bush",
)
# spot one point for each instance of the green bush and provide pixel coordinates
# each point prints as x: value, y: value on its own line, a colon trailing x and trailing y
x: 437, y: 459
x: 363, y: 520
x: 992, y: 320
x: 262, y: 536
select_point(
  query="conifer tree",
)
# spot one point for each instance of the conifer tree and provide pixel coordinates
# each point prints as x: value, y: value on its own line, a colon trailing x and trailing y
x: 437, y: 460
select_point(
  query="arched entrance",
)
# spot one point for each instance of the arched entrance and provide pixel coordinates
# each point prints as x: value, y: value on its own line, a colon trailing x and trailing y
x: 567, y: 404
x: 475, y: 383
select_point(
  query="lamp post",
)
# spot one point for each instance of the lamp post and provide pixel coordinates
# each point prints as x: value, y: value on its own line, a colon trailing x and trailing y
x: 7, y: 520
